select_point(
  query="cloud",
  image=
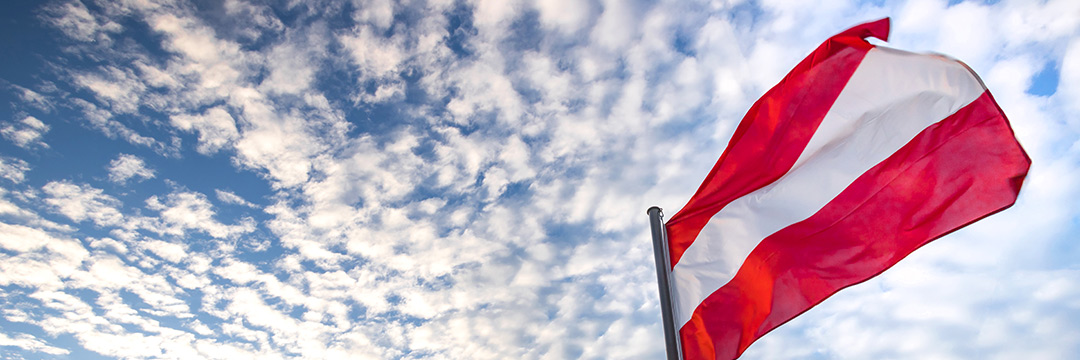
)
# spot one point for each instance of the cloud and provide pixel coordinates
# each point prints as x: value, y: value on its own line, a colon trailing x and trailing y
x: 83, y: 202
x: 21, y: 238
x: 30, y: 343
x: 374, y: 55
x: 293, y: 63
x: 171, y: 252
x: 76, y: 21
x: 38, y: 258
x: 183, y: 211
x: 46, y: 267
x: 13, y: 169
x: 468, y: 179
x: 216, y: 129
x: 565, y: 16
x: 26, y: 133
x: 229, y: 197
x: 126, y: 167
x: 103, y: 121
x: 283, y: 145
x: 33, y: 99
x: 213, y: 62
x: 615, y: 27
x: 119, y: 88
x: 257, y: 20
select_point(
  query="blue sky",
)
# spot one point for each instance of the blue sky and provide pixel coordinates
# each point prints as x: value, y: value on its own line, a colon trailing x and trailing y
x: 468, y: 179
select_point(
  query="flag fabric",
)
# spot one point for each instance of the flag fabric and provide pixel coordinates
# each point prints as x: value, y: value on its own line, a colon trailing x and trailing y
x: 860, y: 155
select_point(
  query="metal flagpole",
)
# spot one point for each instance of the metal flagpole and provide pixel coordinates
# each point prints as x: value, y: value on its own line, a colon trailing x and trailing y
x: 660, y: 252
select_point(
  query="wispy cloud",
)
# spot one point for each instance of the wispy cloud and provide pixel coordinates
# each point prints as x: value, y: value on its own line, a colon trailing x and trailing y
x: 126, y: 167
x: 26, y: 133
x: 83, y: 202
x: 13, y: 169
x: 33, y: 99
x: 76, y: 21
x: 229, y: 197
x: 30, y: 343
x: 183, y: 211
x: 216, y: 128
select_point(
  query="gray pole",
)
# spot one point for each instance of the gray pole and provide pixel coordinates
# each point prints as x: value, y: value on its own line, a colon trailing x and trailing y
x: 660, y: 251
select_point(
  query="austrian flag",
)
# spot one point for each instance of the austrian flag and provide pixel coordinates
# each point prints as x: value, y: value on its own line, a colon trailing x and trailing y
x: 859, y: 156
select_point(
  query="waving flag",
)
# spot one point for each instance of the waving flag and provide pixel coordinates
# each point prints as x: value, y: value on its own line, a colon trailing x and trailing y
x: 860, y: 155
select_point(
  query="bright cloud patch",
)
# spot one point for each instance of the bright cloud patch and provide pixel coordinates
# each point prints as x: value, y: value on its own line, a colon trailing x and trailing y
x: 216, y: 128
x: 13, y: 169
x: 231, y: 198
x: 25, y: 133
x: 126, y: 167
x: 468, y: 179
x: 184, y: 211
x: 83, y: 202
x: 31, y: 344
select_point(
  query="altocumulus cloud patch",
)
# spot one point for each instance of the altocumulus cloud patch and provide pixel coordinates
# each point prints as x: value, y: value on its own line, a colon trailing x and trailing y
x: 466, y: 179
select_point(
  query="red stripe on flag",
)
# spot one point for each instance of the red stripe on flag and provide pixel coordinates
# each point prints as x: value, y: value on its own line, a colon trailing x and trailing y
x: 775, y: 130
x: 955, y: 172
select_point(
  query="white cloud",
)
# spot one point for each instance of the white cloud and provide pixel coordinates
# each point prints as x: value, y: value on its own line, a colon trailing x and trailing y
x: 567, y: 16
x: 76, y: 21
x: 259, y: 19
x: 13, y: 169
x: 277, y: 145
x: 108, y: 243
x: 374, y: 55
x: 103, y: 121
x: 126, y: 167
x: 293, y: 64
x: 172, y: 252
x: 21, y: 238
x: 617, y: 25
x: 492, y: 16
x: 229, y: 197
x: 1070, y: 75
x: 34, y: 99
x: 18, y: 214
x: 40, y: 259
x: 83, y: 202
x: 183, y: 211
x: 216, y: 129
x: 120, y: 88
x: 30, y: 343
x: 214, y: 62
x: 26, y: 133
x: 155, y: 77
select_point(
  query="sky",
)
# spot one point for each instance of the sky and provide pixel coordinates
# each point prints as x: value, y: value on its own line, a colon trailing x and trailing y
x: 468, y: 179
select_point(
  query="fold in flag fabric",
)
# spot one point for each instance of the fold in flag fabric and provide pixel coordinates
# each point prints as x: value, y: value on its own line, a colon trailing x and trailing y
x: 860, y: 155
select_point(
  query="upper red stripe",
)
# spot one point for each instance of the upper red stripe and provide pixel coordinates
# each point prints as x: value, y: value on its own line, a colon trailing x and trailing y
x: 953, y: 173
x: 774, y: 132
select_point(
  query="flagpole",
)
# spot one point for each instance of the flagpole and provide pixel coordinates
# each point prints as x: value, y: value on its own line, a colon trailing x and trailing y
x: 660, y: 253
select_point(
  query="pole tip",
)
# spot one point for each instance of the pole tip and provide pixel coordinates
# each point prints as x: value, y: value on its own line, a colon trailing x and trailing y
x: 654, y: 208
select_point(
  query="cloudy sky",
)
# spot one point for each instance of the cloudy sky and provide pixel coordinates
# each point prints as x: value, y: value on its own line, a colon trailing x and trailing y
x: 460, y: 179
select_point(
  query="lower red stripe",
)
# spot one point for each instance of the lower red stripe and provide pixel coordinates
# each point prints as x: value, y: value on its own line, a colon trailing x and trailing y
x: 953, y: 173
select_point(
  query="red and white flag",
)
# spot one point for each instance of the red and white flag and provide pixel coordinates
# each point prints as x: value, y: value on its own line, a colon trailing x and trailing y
x: 860, y: 155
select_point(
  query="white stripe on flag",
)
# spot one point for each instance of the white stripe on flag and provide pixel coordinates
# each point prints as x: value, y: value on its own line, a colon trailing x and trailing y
x: 890, y: 98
